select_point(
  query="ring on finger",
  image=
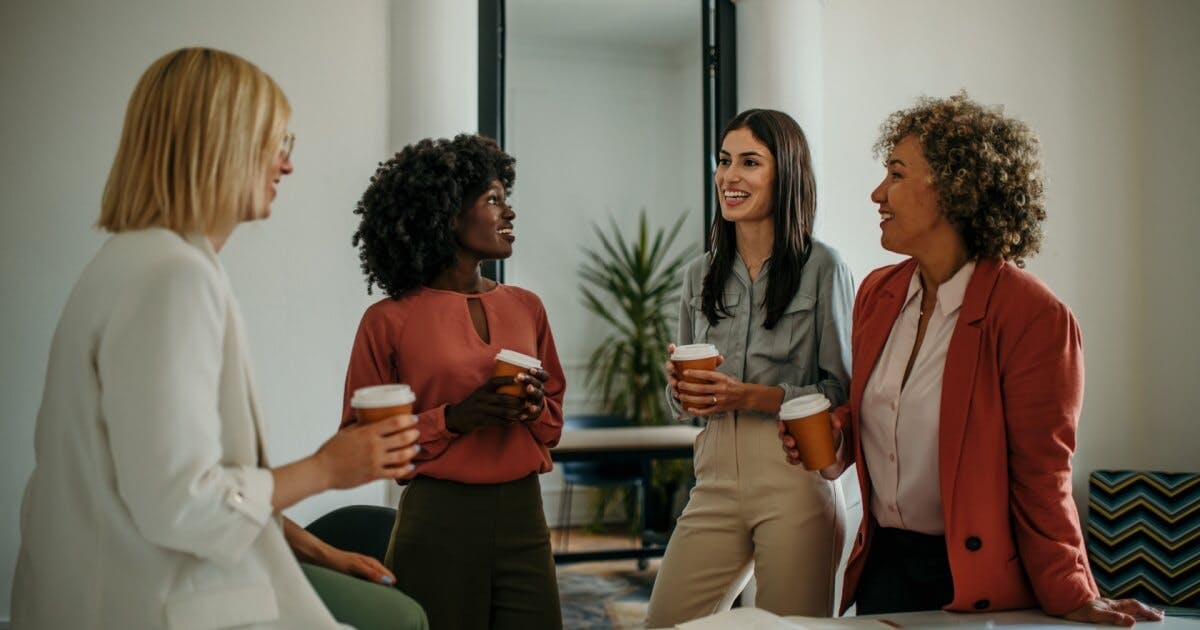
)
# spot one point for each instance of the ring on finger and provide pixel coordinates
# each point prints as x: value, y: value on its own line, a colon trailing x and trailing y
x: 714, y: 402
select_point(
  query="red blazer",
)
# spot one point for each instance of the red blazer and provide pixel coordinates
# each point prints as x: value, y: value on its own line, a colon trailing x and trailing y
x: 1011, y: 396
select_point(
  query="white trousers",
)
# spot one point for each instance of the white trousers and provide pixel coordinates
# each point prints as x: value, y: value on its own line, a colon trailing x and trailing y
x: 749, y: 504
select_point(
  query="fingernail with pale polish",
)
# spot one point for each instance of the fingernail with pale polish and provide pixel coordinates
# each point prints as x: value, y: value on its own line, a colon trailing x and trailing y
x: 387, y: 579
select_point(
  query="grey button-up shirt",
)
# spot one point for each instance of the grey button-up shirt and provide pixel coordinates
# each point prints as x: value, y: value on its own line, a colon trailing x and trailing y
x: 807, y: 351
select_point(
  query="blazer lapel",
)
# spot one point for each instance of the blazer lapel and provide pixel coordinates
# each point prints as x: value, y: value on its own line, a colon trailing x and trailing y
x: 202, y: 243
x: 958, y: 380
x: 872, y: 328
x: 260, y: 430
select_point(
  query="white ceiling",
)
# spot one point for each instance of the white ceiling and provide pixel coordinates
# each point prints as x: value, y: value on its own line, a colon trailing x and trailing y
x: 651, y: 25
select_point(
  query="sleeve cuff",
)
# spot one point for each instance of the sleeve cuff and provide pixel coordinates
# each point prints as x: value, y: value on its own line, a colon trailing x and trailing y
x: 1081, y: 593
x: 432, y: 425
x: 249, y: 495
x: 676, y: 409
x: 793, y: 391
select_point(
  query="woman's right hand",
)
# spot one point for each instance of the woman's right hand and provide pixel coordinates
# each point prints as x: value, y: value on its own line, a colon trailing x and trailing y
x: 792, y: 450
x: 486, y: 408
x: 1114, y: 612
x: 366, y: 452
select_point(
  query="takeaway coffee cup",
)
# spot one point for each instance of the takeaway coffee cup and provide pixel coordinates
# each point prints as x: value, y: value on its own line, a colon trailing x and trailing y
x: 512, y: 363
x: 695, y: 356
x: 807, y: 419
x: 377, y: 402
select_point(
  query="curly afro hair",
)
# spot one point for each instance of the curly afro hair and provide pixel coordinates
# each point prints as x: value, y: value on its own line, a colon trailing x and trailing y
x: 986, y: 169
x: 405, y: 236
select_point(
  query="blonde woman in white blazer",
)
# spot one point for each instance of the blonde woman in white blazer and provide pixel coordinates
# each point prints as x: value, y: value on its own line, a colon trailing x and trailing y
x: 152, y: 504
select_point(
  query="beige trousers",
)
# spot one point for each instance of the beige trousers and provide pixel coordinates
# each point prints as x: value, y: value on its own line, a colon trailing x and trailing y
x: 749, y: 504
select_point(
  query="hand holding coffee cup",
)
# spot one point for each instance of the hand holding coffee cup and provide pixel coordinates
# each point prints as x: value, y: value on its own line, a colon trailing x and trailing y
x: 486, y: 406
x: 383, y: 449
x: 529, y: 380
x: 514, y: 364
x: 692, y: 356
x: 695, y: 383
x: 806, y: 430
x: 696, y: 356
x: 374, y: 403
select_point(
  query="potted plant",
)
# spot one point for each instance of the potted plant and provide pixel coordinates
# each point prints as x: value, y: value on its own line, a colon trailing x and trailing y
x: 633, y: 285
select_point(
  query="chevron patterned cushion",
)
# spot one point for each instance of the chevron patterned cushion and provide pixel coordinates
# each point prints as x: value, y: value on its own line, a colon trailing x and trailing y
x: 1144, y: 535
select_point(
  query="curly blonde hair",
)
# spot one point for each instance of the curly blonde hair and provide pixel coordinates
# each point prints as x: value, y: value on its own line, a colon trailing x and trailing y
x: 986, y: 169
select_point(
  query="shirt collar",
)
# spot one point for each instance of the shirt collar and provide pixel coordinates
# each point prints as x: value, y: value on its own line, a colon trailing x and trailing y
x: 743, y: 274
x: 950, y: 294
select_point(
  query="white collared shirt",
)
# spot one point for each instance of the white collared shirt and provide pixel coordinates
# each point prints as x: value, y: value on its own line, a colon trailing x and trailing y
x: 900, y: 419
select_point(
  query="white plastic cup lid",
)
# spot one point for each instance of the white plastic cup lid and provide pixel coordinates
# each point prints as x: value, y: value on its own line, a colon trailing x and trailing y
x: 803, y: 406
x: 693, y: 351
x: 377, y: 396
x: 520, y: 360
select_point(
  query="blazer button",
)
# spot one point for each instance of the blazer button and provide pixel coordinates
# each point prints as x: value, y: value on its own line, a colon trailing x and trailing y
x: 981, y: 604
x: 973, y: 543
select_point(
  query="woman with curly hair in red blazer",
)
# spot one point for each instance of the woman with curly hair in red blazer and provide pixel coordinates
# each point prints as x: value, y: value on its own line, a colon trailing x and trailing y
x: 966, y: 387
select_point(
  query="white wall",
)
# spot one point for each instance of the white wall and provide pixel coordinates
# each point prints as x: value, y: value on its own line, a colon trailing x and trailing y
x: 1165, y: 426
x: 1115, y: 148
x: 435, y: 67
x: 780, y: 65
x: 597, y: 134
x: 68, y: 68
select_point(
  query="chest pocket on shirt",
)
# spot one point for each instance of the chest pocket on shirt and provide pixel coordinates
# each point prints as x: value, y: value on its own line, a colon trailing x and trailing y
x: 797, y: 324
x: 719, y: 335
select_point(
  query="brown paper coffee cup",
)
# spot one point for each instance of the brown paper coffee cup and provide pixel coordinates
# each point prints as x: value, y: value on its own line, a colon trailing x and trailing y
x: 695, y: 356
x: 512, y: 363
x: 807, y: 420
x: 374, y: 403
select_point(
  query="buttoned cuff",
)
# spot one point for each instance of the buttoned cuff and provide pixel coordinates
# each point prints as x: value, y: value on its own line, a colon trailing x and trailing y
x: 249, y: 496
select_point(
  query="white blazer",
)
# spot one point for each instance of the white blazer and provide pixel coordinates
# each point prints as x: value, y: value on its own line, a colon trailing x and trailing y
x: 150, y: 502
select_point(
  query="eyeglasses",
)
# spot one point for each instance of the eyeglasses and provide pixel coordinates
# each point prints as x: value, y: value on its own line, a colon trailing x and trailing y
x: 289, y: 141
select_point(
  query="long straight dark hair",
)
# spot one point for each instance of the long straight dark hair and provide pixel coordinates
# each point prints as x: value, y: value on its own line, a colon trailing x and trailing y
x: 795, y: 208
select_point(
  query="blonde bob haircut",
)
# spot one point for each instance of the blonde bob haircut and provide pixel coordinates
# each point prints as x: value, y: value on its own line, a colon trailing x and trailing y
x: 201, y: 132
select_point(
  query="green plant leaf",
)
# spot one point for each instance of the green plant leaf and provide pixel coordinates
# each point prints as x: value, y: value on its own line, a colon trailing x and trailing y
x: 632, y: 285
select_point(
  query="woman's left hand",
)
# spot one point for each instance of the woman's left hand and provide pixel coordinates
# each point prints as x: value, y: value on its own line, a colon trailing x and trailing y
x: 1114, y: 612
x: 534, y: 392
x: 717, y: 393
x: 359, y: 566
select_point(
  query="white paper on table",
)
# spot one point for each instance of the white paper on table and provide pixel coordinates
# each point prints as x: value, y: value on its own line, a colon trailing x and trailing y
x: 759, y: 619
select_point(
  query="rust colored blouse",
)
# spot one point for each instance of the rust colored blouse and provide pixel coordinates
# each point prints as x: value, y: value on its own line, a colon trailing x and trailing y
x: 427, y: 340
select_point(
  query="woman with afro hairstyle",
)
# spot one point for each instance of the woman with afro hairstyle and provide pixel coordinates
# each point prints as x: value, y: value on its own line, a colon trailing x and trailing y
x: 470, y: 542
x: 967, y: 385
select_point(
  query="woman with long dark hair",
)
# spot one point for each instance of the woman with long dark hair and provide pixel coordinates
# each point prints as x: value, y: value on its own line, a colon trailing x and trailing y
x: 776, y: 304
